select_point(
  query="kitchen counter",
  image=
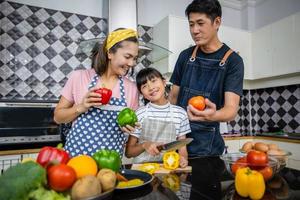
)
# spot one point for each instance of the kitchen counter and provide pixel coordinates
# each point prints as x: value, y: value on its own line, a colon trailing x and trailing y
x: 210, y: 180
x: 265, y: 137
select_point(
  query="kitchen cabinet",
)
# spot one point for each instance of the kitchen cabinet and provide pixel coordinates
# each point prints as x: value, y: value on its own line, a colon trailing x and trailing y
x: 172, y: 33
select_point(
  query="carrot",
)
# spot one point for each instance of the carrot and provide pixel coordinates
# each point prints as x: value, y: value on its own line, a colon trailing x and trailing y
x: 120, y: 177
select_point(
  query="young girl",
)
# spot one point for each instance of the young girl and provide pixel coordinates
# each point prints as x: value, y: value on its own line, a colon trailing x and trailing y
x: 160, y: 121
x: 94, y: 125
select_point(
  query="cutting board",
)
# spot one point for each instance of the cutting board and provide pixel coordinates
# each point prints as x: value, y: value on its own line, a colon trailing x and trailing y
x: 162, y: 170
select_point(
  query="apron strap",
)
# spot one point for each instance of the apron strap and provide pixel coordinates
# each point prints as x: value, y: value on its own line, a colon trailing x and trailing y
x: 193, y: 57
x: 227, y: 54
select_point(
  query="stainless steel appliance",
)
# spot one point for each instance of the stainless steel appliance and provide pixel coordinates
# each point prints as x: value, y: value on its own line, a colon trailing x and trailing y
x: 28, y: 125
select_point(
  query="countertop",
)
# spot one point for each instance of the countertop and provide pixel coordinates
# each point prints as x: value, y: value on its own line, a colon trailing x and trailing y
x: 210, y: 180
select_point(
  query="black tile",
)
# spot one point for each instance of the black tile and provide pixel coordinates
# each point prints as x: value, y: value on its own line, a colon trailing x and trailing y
x: 15, y: 33
x: 252, y: 102
x: 261, y: 122
x: 33, y: 51
x: 1, y: 63
x: 49, y: 67
x: 240, y: 112
x: 292, y: 100
x: 49, y: 82
x: 50, y: 11
x: 15, y: 17
x: 34, y: 8
x: 240, y: 122
x: 280, y: 100
x: 80, y: 67
x: 270, y: 101
x: 66, y: 40
x: 252, y: 92
x: 32, y: 95
x: 292, y: 88
x: 50, y: 53
x: 146, y: 62
x: 66, y: 54
x: 63, y: 82
x: 66, y: 69
x: 270, y: 123
x: 146, y: 38
x: 50, y: 23
x: 12, y: 79
x: 16, y: 65
x: 245, y: 92
x: 246, y: 122
x: 281, y: 112
x: 50, y: 38
x: 294, y: 124
x: 81, y: 57
x: 32, y: 66
x: 253, y: 111
x: 260, y: 101
x: 245, y: 101
x: 270, y: 112
x: 81, y: 17
x: 269, y: 90
x: 33, y: 36
x: 66, y: 26
x: 260, y: 91
x: 15, y: 5
x: 95, y: 30
x: 67, y: 14
x: 1, y: 17
x: 245, y: 112
x: 32, y: 81
x: 96, y: 19
x: 281, y: 123
x: 293, y: 112
x: 33, y: 20
x: 15, y: 49
x: 260, y: 112
x: 1, y: 47
x: 280, y: 90
x: 81, y: 28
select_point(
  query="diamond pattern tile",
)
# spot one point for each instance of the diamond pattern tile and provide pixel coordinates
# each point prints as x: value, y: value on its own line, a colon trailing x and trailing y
x: 37, y: 49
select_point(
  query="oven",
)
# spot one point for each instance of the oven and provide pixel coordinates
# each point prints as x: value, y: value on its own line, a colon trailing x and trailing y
x: 28, y: 125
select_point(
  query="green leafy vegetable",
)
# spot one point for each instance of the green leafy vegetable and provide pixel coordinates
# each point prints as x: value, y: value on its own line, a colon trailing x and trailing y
x: 44, y: 194
x: 18, y: 181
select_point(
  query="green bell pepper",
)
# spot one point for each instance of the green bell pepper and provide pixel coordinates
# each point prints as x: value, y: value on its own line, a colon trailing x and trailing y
x: 109, y: 159
x: 127, y: 117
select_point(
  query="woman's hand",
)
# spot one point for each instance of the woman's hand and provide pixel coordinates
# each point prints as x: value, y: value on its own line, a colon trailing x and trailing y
x: 151, y: 148
x: 205, y: 115
x: 90, y: 99
x: 129, y: 129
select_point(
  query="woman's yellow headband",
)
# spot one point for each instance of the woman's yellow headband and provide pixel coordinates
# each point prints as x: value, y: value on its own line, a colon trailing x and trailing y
x: 119, y: 35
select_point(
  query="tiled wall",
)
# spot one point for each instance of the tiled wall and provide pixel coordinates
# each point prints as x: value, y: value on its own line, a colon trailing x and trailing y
x: 270, y: 107
x: 38, y: 49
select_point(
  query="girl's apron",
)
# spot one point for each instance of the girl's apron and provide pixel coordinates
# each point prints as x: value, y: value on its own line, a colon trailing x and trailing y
x: 97, y: 128
x: 156, y: 131
x: 204, y: 77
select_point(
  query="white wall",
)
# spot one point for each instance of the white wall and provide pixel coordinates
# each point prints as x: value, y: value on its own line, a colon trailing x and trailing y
x: 86, y: 7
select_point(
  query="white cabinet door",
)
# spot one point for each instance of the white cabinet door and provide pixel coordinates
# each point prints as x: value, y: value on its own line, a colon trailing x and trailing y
x: 233, y: 146
x: 262, y: 53
x: 239, y: 41
x: 296, y: 42
x: 283, y: 46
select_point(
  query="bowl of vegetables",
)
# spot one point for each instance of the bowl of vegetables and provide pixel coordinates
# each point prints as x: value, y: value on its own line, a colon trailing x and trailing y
x: 255, y: 160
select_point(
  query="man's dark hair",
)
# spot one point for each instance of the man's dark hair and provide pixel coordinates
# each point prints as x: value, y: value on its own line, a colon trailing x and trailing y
x: 211, y: 8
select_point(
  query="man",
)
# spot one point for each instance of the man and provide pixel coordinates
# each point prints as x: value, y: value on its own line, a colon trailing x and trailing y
x: 210, y: 69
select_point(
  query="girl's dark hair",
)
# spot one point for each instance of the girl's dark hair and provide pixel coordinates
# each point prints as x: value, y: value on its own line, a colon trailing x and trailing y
x: 211, y: 8
x: 100, y: 59
x: 147, y: 74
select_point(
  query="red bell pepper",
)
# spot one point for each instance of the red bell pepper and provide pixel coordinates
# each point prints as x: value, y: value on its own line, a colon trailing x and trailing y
x: 52, y: 154
x: 105, y: 95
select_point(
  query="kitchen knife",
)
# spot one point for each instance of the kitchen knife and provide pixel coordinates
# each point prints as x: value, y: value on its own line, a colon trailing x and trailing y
x: 174, y: 145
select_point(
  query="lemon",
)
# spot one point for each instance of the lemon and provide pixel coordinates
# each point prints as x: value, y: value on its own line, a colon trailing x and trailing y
x: 83, y: 165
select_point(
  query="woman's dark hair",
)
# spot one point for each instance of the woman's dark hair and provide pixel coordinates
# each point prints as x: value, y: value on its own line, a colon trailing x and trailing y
x: 100, y: 59
x: 211, y: 8
x: 147, y: 74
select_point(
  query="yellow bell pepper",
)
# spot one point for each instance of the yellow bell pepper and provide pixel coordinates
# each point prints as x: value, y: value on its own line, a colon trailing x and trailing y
x: 171, y: 181
x: 249, y: 183
x: 171, y: 160
x: 149, y: 167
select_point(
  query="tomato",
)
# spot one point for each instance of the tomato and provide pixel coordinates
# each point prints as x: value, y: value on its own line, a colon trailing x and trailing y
x: 197, y: 102
x: 241, y: 162
x: 257, y: 159
x: 267, y: 172
x: 61, y: 177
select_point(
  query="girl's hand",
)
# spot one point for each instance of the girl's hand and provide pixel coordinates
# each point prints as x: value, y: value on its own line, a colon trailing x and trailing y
x: 129, y: 129
x: 90, y: 99
x: 151, y: 148
x: 183, y: 162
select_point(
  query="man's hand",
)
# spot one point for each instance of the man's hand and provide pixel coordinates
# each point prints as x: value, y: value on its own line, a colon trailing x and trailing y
x: 205, y: 115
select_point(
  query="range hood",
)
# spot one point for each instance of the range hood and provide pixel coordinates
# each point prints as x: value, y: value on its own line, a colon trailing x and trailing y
x: 123, y: 13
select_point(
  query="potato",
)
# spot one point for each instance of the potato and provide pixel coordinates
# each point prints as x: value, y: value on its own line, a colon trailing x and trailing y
x: 272, y: 146
x: 260, y: 146
x: 247, y: 146
x: 275, y: 152
x: 85, y: 187
x: 107, y: 178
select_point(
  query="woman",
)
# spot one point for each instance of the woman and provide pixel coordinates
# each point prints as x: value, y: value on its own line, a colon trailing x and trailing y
x: 94, y: 125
